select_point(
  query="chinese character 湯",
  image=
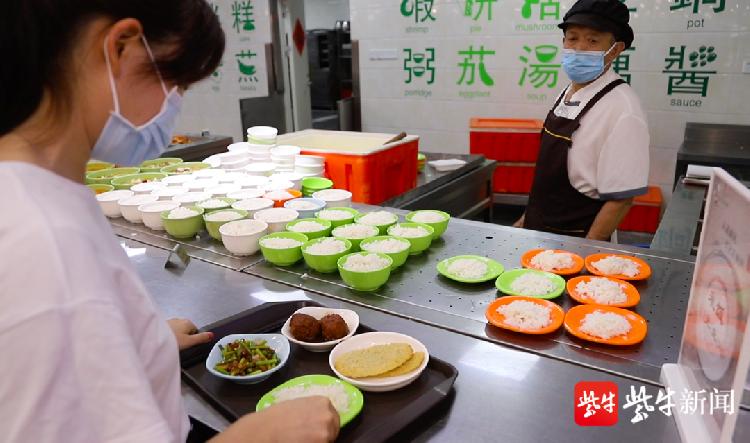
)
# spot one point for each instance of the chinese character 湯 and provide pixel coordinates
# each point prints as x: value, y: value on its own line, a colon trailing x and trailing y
x: 542, y: 73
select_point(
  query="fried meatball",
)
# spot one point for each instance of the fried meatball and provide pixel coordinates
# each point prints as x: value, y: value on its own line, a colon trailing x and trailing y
x: 333, y: 327
x: 304, y: 327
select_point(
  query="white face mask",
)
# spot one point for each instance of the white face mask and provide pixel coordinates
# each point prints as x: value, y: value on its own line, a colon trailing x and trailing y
x: 125, y: 144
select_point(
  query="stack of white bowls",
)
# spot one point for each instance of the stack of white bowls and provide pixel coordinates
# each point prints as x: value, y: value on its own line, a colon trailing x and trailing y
x: 234, y: 160
x: 239, y: 147
x: 262, y: 135
x: 293, y: 177
x: 310, y: 165
x: 261, y: 169
x: 283, y: 157
x: 259, y: 153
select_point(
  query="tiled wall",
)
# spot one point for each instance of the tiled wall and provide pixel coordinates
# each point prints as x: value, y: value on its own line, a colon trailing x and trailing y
x: 439, y: 108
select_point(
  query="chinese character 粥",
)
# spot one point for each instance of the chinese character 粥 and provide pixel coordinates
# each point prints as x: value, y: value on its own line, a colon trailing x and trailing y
x: 469, y: 66
x: 242, y: 12
x: 718, y: 5
x: 691, y: 401
x: 663, y: 397
x: 590, y: 401
x: 246, y: 68
x: 689, y: 81
x: 640, y: 401
x: 420, y: 9
x: 417, y: 64
x: 542, y: 73
x: 475, y: 8
x: 621, y: 65
x: 547, y: 8
x: 722, y: 401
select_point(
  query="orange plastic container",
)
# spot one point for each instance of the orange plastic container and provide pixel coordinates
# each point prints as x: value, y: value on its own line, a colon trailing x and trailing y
x: 361, y: 162
x: 506, y: 140
x: 645, y: 213
x: 510, y: 178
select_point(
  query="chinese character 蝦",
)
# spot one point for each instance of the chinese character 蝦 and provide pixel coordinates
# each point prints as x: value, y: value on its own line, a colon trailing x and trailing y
x: 547, y: 9
x: 242, y: 13
x: 690, y: 80
x: 417, y: 64
x: 475, y: 8
x: 640, y: 400
x: 542, y: 73
x: 420, y: 9
x: 680, y: 4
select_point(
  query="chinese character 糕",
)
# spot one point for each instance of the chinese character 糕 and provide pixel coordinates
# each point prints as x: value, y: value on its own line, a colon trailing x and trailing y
x: 693, y: 80
x: 242, y: 12
x: 543, y: 73
x: 680, y: 4
x: 547, y: 8
x: 417, y: 64
x: 420, y: 9
x: 469, y: 66
x: 640, y: 401
x: 722, y: 401
x: 478, y: 6
x: 663, y: 397
x: 691, y: 401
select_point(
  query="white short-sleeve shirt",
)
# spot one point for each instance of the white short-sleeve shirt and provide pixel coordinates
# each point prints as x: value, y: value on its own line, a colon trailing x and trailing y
x: 609, y: 159
x: 86, y: 356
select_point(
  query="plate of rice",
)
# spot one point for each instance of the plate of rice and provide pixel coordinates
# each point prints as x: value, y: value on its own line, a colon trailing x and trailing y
x: 347, y: 399
x: 555, y: 261
x: 606, y: 324
x: 622, y: 267
x: 606, y: 291
x: 526, y: 315
x: 470, y: 269
x: 531, y: 283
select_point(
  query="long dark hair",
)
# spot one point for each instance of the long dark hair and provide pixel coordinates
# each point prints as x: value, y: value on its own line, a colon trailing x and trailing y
x: 37, y: 38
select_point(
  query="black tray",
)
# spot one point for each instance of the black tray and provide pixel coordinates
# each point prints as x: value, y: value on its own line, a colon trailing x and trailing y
x: 384, y: 414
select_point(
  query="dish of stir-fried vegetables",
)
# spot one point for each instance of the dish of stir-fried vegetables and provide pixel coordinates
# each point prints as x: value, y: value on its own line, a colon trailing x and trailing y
x: 246, y: 357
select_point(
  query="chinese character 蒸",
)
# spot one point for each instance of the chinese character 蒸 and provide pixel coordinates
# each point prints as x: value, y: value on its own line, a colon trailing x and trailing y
x: 543, y: 73
x: 420, y: 9
x: 469, y: 66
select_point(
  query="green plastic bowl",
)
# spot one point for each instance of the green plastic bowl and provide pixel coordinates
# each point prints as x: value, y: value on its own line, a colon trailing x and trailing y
x: 383, y: 229
x: 99, y: 189
x: 157, y: 164
x: 504, y: 283
x: 315, y: 184
x: 337, y: 223
x: 365, y: 281
x: 283, y: 257
x: 213, y: 226
x: 355, y: 241
x: 227, y: 200
x: 94, y: 165
x: 418, y: 244
x: 313, y: 235
x: 105, y: 176
x: 399, y: 258
x: 439, y: 227
x: 325, y: 264
x: 184, y: 168
x: 127, y: 181
x: 183, y: 227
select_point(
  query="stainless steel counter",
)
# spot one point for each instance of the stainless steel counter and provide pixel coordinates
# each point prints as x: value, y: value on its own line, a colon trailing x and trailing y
x: 501, y: 394
x: 679, y: 229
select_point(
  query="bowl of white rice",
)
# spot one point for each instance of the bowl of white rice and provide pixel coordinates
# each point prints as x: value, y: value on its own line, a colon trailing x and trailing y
x: 151, y: 213
x: 527, y: 315
x: 438, y: 220
x: 215, y: 219
x: 395, y: 248
x: 322, y: 254
x: 622, y: 267
x: 307, y: 207
x: 253, y: 205
x: 531, y: 283
x: 312, y: 227
x: 129, y: 206
x: 169, y: 192
x: 380, y: 219
x: 606, y: 324
x: 335, y: 197
x: 470, y: 268
x: 241, y: 237
x: 604, y: 291
x: 355, y: 233
x: 277, y: 218
x: 365, y: 271
x: 553, y: 260
x: 283, y: 248
x: 183, y: 222
x: 418, y: 234
x: 215, y: 203
x: 109, y: 202
x: 337, y: 215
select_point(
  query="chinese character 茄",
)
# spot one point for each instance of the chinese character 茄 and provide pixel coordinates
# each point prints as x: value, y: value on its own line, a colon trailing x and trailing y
x: 547, y: 9
x: 469, y: 66
x: 542, y: 73
x: 680, y: 4
x: 640, y: 401
x: 242, y: 12
x: 420, y: 9
x: 475, y: 8
x: 689, y: 81
x: 417, y: 64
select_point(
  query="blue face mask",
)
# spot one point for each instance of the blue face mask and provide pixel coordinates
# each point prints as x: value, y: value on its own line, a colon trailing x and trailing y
x: 125, y: 144
x: 584, y: 66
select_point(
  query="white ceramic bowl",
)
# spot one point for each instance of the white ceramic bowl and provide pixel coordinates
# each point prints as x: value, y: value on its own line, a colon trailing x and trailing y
x: 109, y: 201
x: 243, y: 147
x: 296, y: 179
x: 151, y: 213
x: 317, y: 170
x: 252, y: 181
x: 212, y: 161
x: 277, y: 342
x: 285, y: 151
x: 277, y: 218
x: 263, y: 169
x: 209, y: 173
x: 236, y: 165
x: 232, y: 156
x: 230, y: 177
x: 253, y: 205
x: 201, y: 184
x: 223, y: 189
x: 129, y: 206
x: 278, y: 185
x: 147, y: 188
x: 350, y: 317
x: 191, y: 198
x: 169, y: 192
x: 309, y: 160
x: 247, y: 242
x: 244, y: 194
x: 379, y: 384
x: 262, y: 132
x: 178, y: 180
x: 305, y: 213
x: 335, y: 197
x: 259, y: 149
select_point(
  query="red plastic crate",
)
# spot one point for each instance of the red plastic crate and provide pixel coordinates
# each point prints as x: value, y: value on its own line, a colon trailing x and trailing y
x: 645, y: 213
x: 513, y: 179
x: 508, y: 140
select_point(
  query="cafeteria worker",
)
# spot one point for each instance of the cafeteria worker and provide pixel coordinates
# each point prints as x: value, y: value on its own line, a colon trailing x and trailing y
x: 86, y: 357
x: 594, y: 156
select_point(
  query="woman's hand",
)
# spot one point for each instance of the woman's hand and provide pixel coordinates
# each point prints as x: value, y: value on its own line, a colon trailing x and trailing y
x: 187, y: 334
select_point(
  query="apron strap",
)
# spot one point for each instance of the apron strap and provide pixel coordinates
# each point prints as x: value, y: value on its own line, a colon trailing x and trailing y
x: 595, y: 99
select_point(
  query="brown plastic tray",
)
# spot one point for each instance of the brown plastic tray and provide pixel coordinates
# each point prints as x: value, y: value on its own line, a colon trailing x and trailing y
x: 384, y: 414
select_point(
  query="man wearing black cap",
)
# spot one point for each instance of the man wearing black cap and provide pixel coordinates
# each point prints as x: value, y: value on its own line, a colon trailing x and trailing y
x: 594, y: 155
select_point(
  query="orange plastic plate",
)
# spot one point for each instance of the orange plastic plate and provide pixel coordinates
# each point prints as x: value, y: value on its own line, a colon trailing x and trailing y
x: 497, y: 319
x: 638, y: 325
x: 643, y: 275
x: 575, y: 269
x: 632, y: 293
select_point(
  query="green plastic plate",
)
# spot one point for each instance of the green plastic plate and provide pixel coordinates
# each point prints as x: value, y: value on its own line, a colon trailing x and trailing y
x: 356, y: 400
x: 504, y: 281
x: 493, y: 269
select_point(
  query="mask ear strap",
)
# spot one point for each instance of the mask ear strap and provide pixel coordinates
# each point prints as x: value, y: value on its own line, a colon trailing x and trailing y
x: 112, y: 85
x: 153, y: 60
